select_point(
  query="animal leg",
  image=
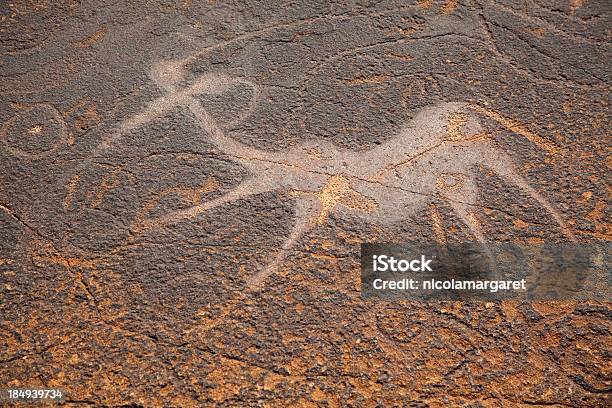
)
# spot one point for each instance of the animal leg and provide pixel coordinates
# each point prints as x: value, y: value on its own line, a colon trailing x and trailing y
x: 305, y: 217
x: 462, y: 210
x: 251, y: 186
x: 502, y: 165
x: 462, y: 197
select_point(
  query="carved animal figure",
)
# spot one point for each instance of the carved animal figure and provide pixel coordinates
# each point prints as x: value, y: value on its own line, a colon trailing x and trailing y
x: 431, y: 156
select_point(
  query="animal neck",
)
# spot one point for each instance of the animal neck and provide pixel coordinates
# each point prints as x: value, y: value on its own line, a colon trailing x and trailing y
x: 219, y: 138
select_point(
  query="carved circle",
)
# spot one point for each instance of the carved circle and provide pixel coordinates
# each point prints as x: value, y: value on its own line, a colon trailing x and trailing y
x: 34, y: 133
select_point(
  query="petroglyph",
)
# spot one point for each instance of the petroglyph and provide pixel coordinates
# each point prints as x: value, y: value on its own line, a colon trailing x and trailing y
x: 35, y: 133
x: 154, y: 255
x: 436, y: 222
x: 432, y: 156
x: 191, y: 195
x: 92, y: 39
x: 71, y: 187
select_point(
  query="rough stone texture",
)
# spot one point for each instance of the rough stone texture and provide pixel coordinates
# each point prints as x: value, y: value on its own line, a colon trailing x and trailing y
x: 113, y: 290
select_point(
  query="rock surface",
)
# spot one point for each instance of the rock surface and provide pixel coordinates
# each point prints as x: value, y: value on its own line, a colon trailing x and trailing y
x: 184, y: 187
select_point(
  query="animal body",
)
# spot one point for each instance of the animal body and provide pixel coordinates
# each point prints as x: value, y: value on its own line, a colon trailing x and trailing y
x: 432, y: 156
